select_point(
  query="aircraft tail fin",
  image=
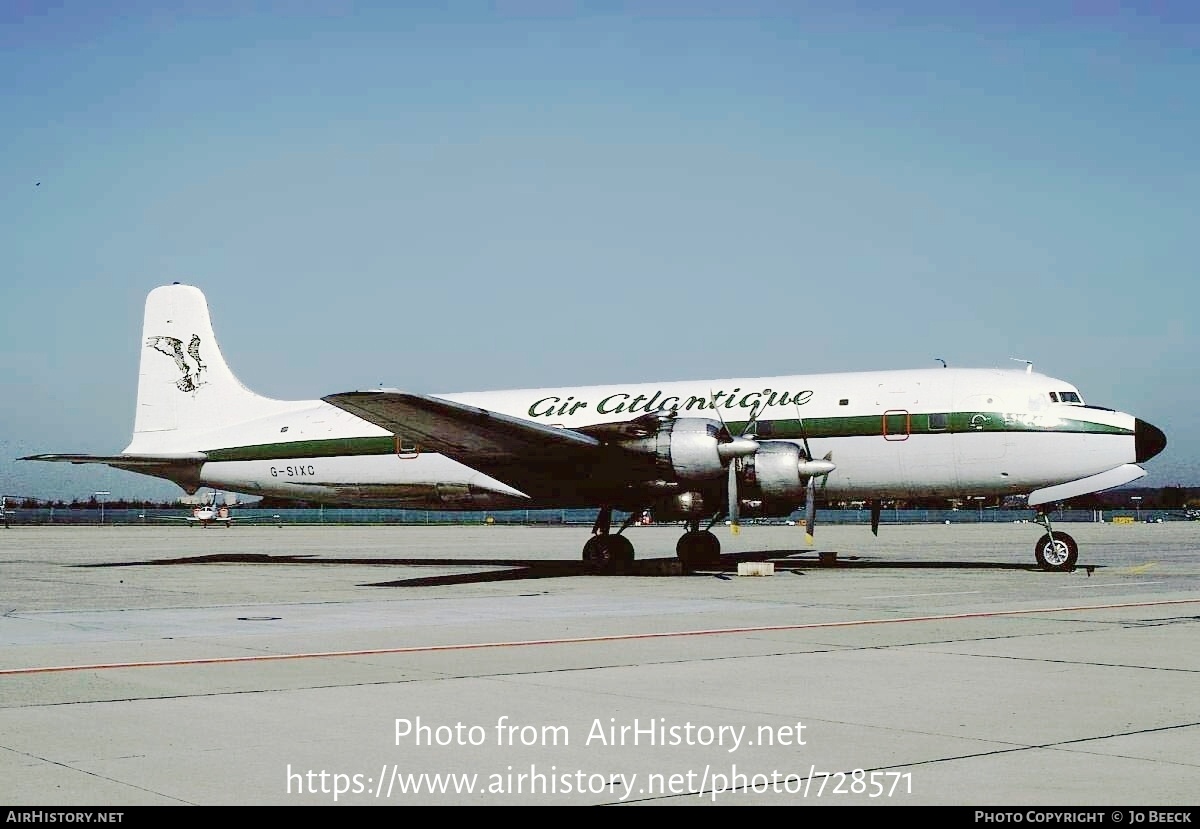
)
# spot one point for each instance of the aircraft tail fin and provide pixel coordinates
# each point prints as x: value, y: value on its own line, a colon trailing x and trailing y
x: 184, y: 384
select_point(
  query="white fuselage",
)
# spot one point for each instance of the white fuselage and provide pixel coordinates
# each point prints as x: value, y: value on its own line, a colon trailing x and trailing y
x: 890, y: 434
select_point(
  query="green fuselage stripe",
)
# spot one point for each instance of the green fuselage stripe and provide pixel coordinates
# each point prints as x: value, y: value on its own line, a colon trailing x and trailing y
x: 785, y: 429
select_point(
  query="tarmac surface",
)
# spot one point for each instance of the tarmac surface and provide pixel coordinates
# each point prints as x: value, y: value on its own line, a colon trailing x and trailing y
x: 356, y: 665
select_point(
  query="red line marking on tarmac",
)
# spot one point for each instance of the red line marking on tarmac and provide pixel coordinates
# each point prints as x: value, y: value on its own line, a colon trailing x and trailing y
x: 276, y: 657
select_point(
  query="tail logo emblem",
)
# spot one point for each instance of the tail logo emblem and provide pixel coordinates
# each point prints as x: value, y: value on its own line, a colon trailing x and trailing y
x: 173, y: 348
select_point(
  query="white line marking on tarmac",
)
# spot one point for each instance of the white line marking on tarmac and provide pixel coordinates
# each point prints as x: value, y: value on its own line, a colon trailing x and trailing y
x: 1110, y: 584
x: 276, y: 657
x: 923, y: 595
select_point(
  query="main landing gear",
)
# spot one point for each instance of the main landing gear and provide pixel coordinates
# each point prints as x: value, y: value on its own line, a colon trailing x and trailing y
x: 698, y: 548
x: 606, y: 552
x: 609, y: 552
x: 1055, y: 551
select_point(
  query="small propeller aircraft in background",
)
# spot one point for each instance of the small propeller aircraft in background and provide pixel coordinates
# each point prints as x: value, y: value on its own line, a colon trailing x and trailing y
x: 215, y: 511
x: 208, y: 509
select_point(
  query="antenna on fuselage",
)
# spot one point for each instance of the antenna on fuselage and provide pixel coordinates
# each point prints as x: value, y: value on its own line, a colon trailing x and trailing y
x: 1028, y: 364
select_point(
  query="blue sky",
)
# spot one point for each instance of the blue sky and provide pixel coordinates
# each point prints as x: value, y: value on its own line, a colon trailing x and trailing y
x: 460, y: 196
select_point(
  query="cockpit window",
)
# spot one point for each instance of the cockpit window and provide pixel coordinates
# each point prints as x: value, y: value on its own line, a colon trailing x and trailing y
x: 1069, y: 397
x: 1053, y: 397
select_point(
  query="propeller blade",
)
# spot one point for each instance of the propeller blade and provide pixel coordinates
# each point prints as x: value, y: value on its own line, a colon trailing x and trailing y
x: 733, y: 499
x: 726, y: 432
x: 712, y: 404
x: 752, y: 423
x: 808, y: 456
x: 810, y: 510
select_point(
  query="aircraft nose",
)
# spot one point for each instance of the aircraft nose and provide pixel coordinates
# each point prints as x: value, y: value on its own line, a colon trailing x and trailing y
x: 1148, y: 440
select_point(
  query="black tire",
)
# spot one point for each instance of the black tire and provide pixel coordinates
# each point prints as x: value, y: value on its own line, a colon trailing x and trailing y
x: 622, y: 553
x: 698, y: 550
x: 608, y: 553
x: 1057, y: 553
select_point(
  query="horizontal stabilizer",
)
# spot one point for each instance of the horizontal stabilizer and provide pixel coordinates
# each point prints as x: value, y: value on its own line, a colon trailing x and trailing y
x: 182, y: 468
x: 1085, y: 486
x: 124, y: 460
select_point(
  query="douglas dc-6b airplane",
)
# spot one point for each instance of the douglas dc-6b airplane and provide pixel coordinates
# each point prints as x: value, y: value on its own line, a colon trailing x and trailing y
x: 698, y: 452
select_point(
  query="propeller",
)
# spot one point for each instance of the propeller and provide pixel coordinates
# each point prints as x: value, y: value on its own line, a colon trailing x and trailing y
x: 813, y: 469
x: 730, y: 450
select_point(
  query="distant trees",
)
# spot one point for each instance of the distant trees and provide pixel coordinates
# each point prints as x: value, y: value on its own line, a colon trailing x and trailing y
x: 110, y: 503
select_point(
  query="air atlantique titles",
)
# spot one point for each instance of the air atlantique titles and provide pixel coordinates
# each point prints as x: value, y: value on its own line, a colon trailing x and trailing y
x: 624, y: 403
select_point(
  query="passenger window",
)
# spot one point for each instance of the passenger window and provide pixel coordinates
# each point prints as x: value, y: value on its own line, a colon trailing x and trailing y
x: 938, y: 422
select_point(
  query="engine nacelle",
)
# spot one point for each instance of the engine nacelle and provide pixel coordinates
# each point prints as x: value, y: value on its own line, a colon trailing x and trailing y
x: 774, y: 479
x: 688, y: 448
x: 773, y: 473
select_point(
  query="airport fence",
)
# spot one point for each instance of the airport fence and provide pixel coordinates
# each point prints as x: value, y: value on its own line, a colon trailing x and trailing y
x: 531, y: 518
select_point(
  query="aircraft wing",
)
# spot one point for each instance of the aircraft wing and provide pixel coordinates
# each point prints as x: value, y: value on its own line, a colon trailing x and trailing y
x: 466, y: 433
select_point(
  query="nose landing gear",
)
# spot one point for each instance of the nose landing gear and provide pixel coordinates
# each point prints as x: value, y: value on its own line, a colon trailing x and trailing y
x: 1055, y: 551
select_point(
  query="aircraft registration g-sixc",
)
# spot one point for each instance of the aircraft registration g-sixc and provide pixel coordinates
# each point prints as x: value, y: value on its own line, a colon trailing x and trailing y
x: 698, y: 452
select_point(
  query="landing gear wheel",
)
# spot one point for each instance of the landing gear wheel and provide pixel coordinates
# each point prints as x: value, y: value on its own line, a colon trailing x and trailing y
x: 1056, y: 553
x: 698, y: 549
x: 608, y: 553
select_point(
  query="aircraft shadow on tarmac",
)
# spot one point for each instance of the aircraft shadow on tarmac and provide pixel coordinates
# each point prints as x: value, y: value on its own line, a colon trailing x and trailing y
x: 792, y: 561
